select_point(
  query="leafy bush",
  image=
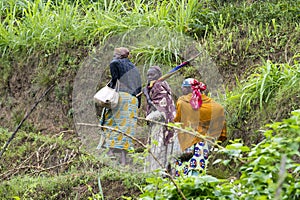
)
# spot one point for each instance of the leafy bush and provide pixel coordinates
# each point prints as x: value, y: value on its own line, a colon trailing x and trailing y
x: 271, y: 167
x: 270, y: 170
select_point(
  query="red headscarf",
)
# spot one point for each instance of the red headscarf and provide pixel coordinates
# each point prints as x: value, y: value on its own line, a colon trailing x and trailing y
x: 196, y: 100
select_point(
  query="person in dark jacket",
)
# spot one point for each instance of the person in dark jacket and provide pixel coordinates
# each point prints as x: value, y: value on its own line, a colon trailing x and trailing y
x: 124, y: 116
x: 122, y: 69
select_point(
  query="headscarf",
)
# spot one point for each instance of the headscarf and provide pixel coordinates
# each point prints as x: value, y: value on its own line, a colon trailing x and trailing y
x: 197, y: 87
x: 157, y: 69
x: 121, y: 52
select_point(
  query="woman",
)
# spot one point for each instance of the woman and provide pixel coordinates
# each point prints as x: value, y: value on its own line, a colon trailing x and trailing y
x: 124, y: 116
x: 201, y: 113
x: 161, y: 108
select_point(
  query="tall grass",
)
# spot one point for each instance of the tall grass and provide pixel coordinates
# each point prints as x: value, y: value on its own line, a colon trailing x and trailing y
x: 262, y: 87
x: 48, y: 24
x: 51, y: 27
x: 267, y: 95
x: 231, y: 32
x: 40, y: 25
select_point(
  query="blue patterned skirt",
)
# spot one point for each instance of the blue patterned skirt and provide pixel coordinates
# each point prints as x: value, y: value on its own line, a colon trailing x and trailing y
x: 196, y: 164
x: 123, y: 118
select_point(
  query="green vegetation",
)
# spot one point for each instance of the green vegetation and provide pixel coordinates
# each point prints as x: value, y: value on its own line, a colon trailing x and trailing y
x: 40, y: 166
x: 269, y: 94
x: 267, y: 171
x: 253, y: 44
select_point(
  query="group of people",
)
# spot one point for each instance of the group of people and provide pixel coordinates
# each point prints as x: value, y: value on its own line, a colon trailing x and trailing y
x: 186, y: 153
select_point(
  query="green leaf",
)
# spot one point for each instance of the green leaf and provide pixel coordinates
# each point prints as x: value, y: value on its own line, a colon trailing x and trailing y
x: 225, y: 162
x: 155, y: 142
x: 237, y: 146
x: 217, y: 161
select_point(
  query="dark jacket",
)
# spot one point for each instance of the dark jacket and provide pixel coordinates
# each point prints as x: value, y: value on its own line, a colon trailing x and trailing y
x: 128, y: 75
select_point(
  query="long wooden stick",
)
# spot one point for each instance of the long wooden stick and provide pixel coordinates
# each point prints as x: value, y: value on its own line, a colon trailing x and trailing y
x: 24, y: 119
x: 171, y: 72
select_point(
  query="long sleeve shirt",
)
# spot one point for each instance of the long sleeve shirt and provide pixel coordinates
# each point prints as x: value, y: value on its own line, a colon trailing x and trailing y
x: 208, y: 120
x: 128, y: 76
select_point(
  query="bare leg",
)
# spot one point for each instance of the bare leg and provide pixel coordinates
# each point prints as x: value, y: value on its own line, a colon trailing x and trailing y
x: 110, y: 153
x: 123, y: 157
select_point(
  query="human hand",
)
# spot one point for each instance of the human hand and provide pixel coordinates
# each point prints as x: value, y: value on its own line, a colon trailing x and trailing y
x: 145, y: 91
x: 151, y: 83
x: 152, y: 106
x: 149, y: 101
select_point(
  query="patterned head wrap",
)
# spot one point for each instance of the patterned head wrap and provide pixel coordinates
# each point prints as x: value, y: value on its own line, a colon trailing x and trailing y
x: 121, y: 52
x: 157, y: 69
x: 197, y: 87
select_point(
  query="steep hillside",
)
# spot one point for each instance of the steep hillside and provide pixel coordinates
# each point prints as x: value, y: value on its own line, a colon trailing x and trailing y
x: 250, y: 60
x: 238, y: 37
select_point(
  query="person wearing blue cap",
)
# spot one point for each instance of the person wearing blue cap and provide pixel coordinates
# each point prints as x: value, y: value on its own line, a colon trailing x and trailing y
x: 201, y: 113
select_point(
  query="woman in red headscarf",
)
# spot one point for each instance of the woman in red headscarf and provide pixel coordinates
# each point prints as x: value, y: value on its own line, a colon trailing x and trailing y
x: 201, y: 113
